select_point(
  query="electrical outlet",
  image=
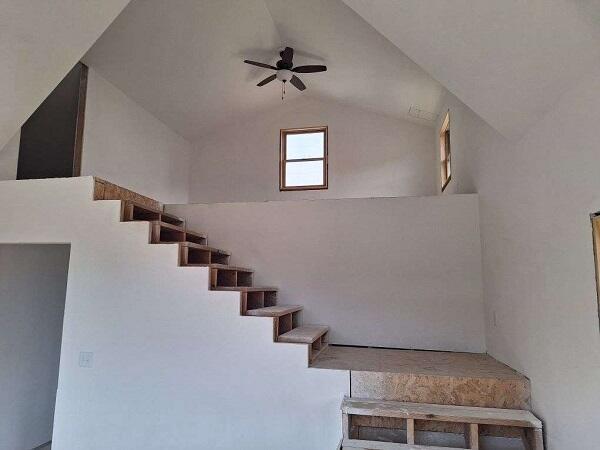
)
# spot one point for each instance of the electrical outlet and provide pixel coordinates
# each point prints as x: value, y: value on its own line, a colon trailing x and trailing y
x: 494, y: 319
x: 86, y: 359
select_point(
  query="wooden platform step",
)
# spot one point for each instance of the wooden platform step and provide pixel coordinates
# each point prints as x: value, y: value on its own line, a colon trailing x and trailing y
x: 191, y: 253
x: 361, y: 444
x: 471, y: 417
x: 286, y: 317
x: 222, y: 275
x: 134, y: 211
x: 163, y: 232
x: 316, y: 336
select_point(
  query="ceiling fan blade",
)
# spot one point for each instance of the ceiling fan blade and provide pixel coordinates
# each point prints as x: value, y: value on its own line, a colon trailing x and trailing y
x: 259, y: 64
x: 297, y: 83
x: 287, y: 54
x: 309, y: 69
x: 267, y: 80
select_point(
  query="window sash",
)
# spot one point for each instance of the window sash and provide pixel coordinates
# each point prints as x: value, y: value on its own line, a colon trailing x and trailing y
x: 284, y: 160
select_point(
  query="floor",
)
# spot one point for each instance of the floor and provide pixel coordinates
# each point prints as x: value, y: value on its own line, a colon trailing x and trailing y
x: 426, y: 363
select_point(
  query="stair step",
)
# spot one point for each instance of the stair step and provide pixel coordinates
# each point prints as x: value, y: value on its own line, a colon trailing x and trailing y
x: 316, y: 336
x: 163, y: 232
x: 223, y: 275
x: 306, y: 334
x: 377, y: 445
x: 443, y: 413
x: 133, y: 211
x: 245, y: 288
x: 274, y: 311
x: 191, y: 254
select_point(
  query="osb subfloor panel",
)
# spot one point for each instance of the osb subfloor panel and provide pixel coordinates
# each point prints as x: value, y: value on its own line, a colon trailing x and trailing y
x: 415, y: 362
x: 443, y: 378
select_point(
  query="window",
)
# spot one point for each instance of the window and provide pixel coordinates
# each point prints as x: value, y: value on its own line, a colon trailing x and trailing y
x: 596, y: 241
x: 303, y: 159
x: 445, y: 170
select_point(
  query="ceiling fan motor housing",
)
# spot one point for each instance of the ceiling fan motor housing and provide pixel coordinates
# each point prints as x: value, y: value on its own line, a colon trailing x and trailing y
x: 284, y: 75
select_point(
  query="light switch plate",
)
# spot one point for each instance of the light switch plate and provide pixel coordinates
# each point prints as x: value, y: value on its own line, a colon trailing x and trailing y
x: 86, y: 359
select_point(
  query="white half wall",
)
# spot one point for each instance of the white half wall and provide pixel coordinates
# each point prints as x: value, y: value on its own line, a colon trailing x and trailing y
x: 388, y: 272
x: 370, y: 155
x: 175, y: 365
x: 538, y: 265
x: 125, y: 144
x: 33, y: 285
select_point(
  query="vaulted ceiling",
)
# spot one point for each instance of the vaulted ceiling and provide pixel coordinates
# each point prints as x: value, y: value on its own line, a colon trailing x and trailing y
x: 509, y: 60
x: 182, y: 59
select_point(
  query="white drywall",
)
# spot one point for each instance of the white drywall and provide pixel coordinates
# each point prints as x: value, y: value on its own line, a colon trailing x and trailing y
x: 33, y: 284
x: 127, y: 145
x: 538, y: 267
x: 389, y: 272
x: 370, y: 155
x: 174, y: 364
x: 9, y: 158
x: 39, y: 43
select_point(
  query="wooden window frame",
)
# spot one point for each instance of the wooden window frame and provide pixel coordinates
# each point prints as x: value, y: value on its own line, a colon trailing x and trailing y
x: 445, y: 153
x: 283, y: 133
x: 595, y: 217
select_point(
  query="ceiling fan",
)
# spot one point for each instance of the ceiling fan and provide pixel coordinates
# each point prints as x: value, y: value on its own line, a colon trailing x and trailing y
x: 286, y: 70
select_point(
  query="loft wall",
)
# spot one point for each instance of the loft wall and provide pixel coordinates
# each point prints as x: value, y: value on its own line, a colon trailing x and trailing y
x: 33, y: 283
x: 370, y: 155
x: 128, y: 146
x: 124, y: 144
x: 387, y: 272
x: 536, y: 195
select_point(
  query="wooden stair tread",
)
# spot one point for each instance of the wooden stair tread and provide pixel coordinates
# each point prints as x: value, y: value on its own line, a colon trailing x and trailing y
x: 443, y: 413
x: 167, y: 225
x: 306, y: 334
x: 202, y: 247
x: 274, y: 311
x: 195, y: 233
x: 245, y: 288
x: 377, y: 445
x: 224, y: 267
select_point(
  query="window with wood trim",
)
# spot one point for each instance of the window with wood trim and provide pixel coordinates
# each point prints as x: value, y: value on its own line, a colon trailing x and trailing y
x: 596, y: 242
x: 445, y: 159
x: 303, y: 159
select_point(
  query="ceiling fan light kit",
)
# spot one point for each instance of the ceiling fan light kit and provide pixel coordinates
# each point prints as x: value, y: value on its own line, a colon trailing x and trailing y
x: 285, y: 71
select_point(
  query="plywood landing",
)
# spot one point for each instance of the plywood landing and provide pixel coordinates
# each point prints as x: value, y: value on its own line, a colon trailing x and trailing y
x: 415, y: 362
x: 443, y: 378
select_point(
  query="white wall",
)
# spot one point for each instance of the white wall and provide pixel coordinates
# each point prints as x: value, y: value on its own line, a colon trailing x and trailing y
x: 538, y: 268
x: 9, y: 158
x: 127, y: 145
x: 388, y: 272
x: 175, y: 366
x: 370, y: 155
x: 33, y: 284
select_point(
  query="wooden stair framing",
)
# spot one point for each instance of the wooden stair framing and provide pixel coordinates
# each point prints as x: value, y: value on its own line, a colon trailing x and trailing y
x: 471, y: 417
x: 194, y: 251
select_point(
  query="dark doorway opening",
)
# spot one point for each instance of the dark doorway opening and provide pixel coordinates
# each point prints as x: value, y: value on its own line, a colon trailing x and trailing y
x: 52, y: 138
x: 33, y: 285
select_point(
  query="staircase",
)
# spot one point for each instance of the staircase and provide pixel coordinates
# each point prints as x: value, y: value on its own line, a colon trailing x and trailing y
x: 194, y: 251
x: 472, y: 401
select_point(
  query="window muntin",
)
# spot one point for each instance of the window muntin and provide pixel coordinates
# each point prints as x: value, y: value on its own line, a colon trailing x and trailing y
x: 303, y: 159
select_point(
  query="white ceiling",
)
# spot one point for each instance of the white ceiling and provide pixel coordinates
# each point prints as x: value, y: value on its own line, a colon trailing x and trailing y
x: 182, y: 59
x: 509, y: 60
